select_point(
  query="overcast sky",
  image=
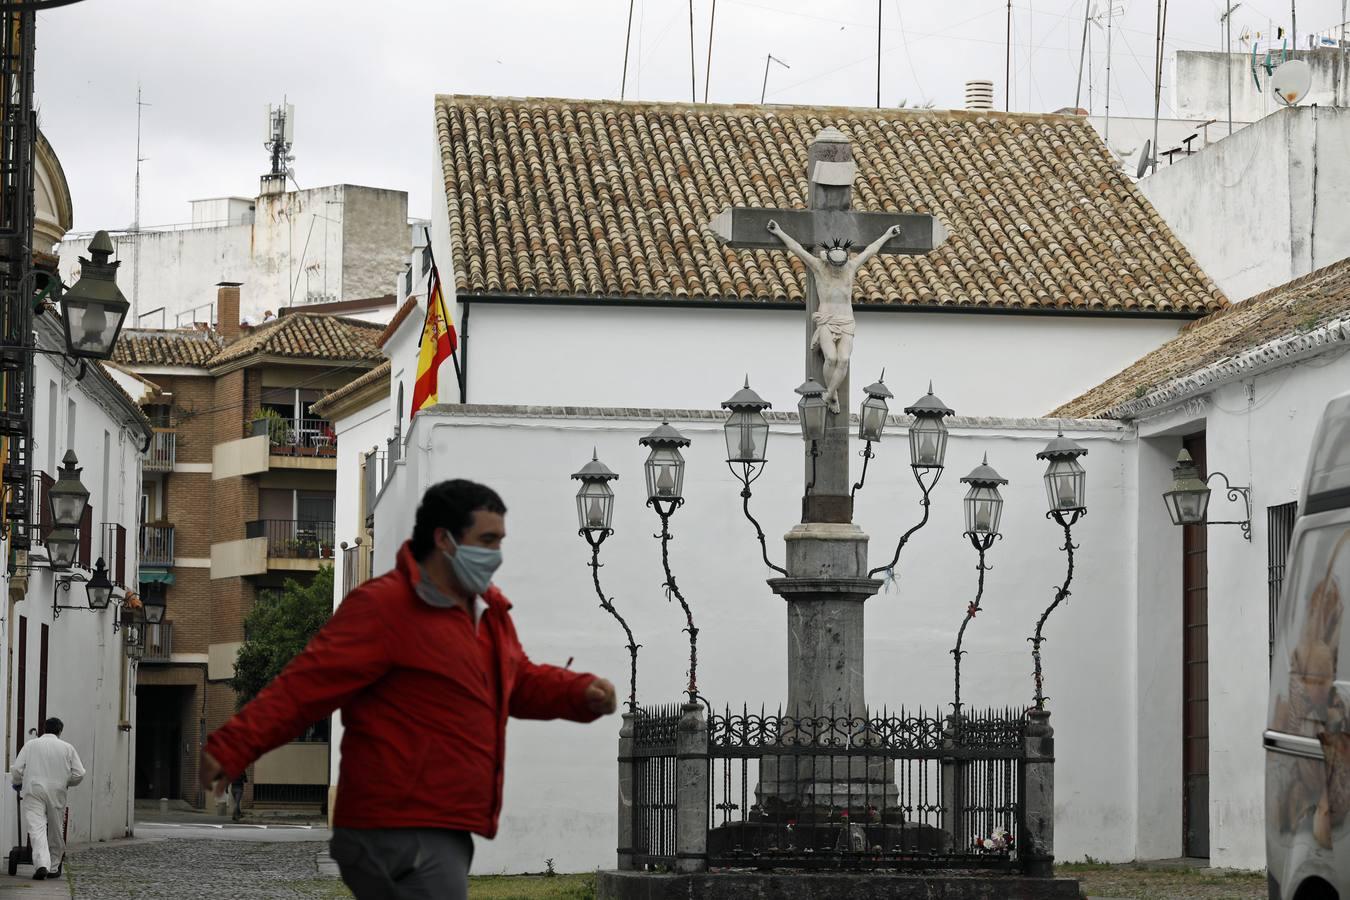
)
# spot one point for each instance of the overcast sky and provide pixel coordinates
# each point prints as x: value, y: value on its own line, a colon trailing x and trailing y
x: 362, y: 75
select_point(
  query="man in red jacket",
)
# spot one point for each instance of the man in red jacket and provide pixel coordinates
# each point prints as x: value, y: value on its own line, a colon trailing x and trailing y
x: 425, y: 665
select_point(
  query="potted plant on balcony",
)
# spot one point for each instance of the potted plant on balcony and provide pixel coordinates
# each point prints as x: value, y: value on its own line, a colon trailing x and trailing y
x: 277, y: 428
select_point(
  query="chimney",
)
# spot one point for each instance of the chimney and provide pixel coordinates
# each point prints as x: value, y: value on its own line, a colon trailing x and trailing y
x: 227, y: 310
x: 979, y: 95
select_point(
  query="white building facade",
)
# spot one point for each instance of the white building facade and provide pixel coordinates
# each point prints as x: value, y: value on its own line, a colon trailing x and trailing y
x: 70, y: 663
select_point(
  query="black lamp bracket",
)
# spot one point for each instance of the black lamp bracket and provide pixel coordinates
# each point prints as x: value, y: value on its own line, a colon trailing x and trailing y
x: 1234, y: 493
x: 63, y: 583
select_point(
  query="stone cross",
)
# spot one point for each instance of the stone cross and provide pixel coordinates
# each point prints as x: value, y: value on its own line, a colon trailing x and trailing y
x: 829, y: 220
x: 827, y: 579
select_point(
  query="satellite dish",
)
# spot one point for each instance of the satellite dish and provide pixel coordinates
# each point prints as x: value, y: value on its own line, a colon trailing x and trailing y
x: 1144, y: 159
x: 1291, y: 81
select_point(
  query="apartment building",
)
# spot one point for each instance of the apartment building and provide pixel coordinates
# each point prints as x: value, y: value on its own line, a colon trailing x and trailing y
x: 238, y: 496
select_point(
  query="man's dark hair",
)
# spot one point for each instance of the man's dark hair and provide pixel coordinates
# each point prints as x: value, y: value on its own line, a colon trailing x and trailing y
x: 451, y: 505
x: 53, y: 726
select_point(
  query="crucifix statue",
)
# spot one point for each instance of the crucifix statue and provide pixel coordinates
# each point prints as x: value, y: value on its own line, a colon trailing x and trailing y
x: 827, y: 579
x: 832, y: 274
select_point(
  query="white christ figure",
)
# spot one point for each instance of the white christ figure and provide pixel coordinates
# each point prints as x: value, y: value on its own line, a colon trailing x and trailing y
x: 833, y: 272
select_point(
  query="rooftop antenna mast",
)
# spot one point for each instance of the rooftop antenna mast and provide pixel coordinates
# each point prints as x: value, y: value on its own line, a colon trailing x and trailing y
x: 1082, y: 52
x: 1007, y: 63
x: 136, y: 214
x: 1226, y: 20
x: 769, y: 58
x: 627, y: 42
x: 707, y: 72
x: 280, y: 136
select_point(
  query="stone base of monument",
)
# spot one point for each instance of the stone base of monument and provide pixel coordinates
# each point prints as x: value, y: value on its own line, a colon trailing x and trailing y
x: 808, y: 885
x: 751, y: 838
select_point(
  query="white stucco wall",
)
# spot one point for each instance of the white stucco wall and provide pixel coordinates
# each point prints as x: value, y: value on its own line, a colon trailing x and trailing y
x: 1004, y: 365
x: 1258, y: 432
x: 340, y: 242
x: 1200, y: 83
x: 1265, y: 206
x: 559, y: 800
x: 87, y: 667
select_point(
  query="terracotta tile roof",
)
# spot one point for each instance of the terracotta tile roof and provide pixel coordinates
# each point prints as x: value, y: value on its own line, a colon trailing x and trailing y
x: 308, y: 336
x: 166, y: 348
x: 558, y: 198
x: 403, y: 312
x: 329, y: 400
x: 1300, y: 306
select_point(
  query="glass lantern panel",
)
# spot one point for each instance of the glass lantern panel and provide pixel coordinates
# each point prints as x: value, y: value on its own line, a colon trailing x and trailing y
x: 595, y: 506
x: 91, y: 328
x: 984, y: 508
x: 927, y: 442
x: 61, y: 550
x: 1187, y: 507
x: 747, y: 434
x: 1065, y: 484
x: 67, y: 508
x: 811, y: 411
x: 665, y: 474
x: 99, y: 597
x: 154, y: 612
x: 872, y: 419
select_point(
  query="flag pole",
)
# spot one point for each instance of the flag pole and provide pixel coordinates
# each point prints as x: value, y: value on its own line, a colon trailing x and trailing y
x: 454, y: 352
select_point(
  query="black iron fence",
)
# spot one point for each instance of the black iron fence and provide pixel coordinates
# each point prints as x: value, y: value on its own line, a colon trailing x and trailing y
x: 891, y: 791
x: 290, y: 539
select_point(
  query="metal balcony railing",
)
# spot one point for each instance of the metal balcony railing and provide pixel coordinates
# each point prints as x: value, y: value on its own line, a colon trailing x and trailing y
x: 114, y: 552
x: 158, y: 643
x: 157, y: 545
x: 290, y: 539
x: 374, y: 479
x: 297, y: 437
x: 163, y: 450
x: 355, y: 564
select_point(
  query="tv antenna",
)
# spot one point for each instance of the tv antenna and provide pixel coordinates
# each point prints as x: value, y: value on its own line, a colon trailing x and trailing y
x: 279, y: 136
x: 1291, y: 81
x: 136, y: 213
x: 769, y: 58
x: 1109, y: 14
x: 1226, y: 23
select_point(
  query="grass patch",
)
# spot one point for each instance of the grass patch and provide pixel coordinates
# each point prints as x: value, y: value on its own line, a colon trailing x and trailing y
x: 1164, y: 882
x: 532, y: 887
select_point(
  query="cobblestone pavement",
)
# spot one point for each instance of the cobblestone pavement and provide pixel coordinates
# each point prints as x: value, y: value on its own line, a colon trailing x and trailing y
x: 173, y: 869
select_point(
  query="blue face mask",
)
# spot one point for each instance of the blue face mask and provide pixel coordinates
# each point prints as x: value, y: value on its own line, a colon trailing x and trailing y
x: 473, y: 566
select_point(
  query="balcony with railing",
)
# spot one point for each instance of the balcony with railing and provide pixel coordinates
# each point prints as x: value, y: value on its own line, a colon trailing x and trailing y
x: 373, y: 472
x: 288, y: 436
x: 355, y: 564
x: 156, y: 545
x: 158, y: 643
x: 288, y: 539
x: 163, y: 450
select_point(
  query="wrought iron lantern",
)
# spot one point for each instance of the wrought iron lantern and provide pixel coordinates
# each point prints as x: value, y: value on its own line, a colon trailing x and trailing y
x: 133, y: 633
x: 61, y: 546
x: 928, y: 433
x: 99, y: 588
x: 874, y: 410
x: 747, y: 431
x: 812, y: 410
x: 154, y: 604
x: 665, y: 464
x: 93, y: 309
x: 595, y: 498
x: 68, y: 497
x: 1188, y: 500
x: 983, y: 503
x: 1065, y: 479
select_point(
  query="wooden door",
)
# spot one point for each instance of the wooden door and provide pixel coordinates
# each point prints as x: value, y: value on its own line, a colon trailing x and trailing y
x: 1195, y: 676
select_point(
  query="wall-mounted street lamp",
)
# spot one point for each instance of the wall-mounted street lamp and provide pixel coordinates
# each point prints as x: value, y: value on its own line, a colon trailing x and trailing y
x: 747, y: 434
x: 133, y: 633
x: 93, y: 308
x: 99, y: 589
x: 68, y: 497
x: 1188, y: 500
x: 872, y: 421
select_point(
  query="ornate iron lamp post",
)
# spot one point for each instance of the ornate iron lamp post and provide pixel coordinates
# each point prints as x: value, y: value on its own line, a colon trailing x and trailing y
x: 813, y: 416
x: 1066, y: 491
x: 872, y: 421
x: 665, y: 494
x: 595, y: 512
x: 983, y: 509
x: 927, y: 457
x: 1188, y: 500
x: 747, y: 434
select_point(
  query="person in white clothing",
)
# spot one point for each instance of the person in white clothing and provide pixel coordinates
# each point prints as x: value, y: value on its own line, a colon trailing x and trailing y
x: 47, y: 766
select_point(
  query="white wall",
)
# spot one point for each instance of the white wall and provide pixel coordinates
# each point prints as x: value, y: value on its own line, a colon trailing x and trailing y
x: 1265, y: 206
x: 1128, y: 135
x: 560, y: 783
x: 87, y: 668
x: 341, y: 242
x: 1008, y: 365
x: 1201, y: 80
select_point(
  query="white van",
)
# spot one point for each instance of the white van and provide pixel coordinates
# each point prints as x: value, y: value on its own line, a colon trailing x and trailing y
x: 1307, y: 736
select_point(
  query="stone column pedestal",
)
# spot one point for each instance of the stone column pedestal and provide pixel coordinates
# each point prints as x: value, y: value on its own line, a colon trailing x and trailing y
x: 691, y: 791
x: 625, y: 849
x: 1037, y: 844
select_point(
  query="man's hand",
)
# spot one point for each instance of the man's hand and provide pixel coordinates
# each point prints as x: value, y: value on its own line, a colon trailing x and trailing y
x: 211, y: 773
x: 773, y: 226
x: 895, y: 231
x: 600, y: 697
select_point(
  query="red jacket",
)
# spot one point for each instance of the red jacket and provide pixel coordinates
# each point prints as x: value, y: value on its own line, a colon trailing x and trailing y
x: 424, y: 736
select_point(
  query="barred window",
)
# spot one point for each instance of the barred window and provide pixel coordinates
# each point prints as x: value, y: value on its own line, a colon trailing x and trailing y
x: 1279, y: 532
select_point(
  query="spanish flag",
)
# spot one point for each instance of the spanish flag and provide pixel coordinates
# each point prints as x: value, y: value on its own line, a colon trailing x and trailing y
x: 439, y: 343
